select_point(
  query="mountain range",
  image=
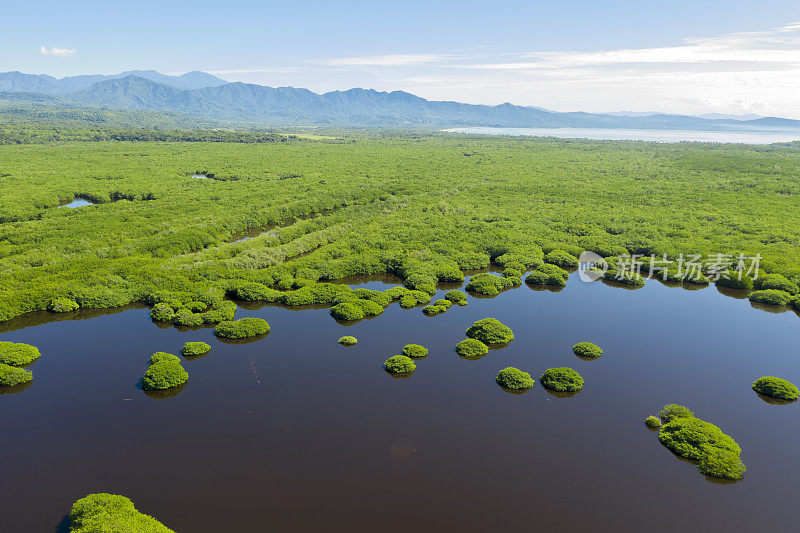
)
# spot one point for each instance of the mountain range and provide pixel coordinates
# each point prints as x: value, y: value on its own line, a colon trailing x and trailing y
x: 205, y: 96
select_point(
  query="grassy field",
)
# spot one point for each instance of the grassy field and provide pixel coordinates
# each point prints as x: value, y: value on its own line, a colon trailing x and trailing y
x: 422, y: 206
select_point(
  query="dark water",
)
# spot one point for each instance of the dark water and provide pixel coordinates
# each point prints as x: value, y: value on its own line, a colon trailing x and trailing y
x: 296, y: 433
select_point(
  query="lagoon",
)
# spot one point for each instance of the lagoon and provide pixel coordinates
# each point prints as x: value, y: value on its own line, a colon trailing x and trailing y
x: 265, y: 431
x: 663, y: 136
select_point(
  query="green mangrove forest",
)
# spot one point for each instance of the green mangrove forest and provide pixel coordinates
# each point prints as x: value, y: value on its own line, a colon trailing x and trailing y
x: 426, y: 207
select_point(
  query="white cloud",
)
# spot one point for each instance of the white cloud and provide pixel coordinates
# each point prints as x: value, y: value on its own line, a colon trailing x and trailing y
x: 57, y: 51
x: 779, y: 47
x: 743, y: 72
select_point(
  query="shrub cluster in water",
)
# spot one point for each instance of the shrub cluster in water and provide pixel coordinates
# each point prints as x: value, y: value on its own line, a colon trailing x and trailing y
x: 18, y: 353
x: 652, y: 422
x: 771, y: 297
x: 547, y: 274
x: 347, y: 340
x: 187, y: 310
x: 561, y: 379
x: 490, y: 331
x: 624, y: 277
x: 776, y: 282
x: 356, y: 309
x: 103, y: 512
x: 587, y: 349
x: 11, y: 375
x: 456, y: 296
x: 415, y: 351
x: 242, y: 328
x: 165, y: 372
x: 195, y: 349
x: 399, y: 364
x: 514, y: 378
x: 438, y: 307
x: 488, y: 284
x: 717, y: 454
x: 776, y: 388
x: 471, y: 349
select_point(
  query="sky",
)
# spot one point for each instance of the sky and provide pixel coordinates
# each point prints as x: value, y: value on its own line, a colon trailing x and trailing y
x: 689, y: 57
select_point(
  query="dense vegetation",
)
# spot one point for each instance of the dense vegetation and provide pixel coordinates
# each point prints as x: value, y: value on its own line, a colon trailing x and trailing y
x: 348, y: 340
x: 653, y: 422
x: 18, y: 353
x: 514, y: 379
x: 415, y: 351
x: 587, y: 350
x: 776, y: 388
x: 399, y: 364
x: 716, y: 453
x: 561, y: 379
x: 195, y: 349
x: 242, y: 328
x: 107, y: 513
x: 427, y: 208
x: 164, y: 372
x: 471, y: 349
x: 11, y: 375
x: 490, y: 331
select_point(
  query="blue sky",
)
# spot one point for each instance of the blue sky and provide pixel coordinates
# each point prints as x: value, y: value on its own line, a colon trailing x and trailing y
x: 675, y: 56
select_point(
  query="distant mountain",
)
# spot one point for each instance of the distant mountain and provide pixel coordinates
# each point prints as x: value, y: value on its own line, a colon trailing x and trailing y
x: 712, y: 116
x: 42, y: 83
x: 243, y: 102
x: 715, y: 116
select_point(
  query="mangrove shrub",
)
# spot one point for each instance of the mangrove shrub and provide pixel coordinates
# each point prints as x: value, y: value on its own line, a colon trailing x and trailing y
x: 490, y: 331
x: 717, y: 454
x: 455, y: 296
x: 163, y: 357
x: 347, y: 340
x: 561, y: 379
x: 652, y: 422
x: 62, y: 305
x: 107, y: 513
x: 776, y: 388
x: 242, y: 328
x: 18, y: 353
x: 771, y: 297
x: 488, y: 284
x: 164, y: 374
x: 347, y: 311
x: 587, y: 349
x: 11, y: 375
x: 195, y: 349
x: 471, y: 349
x: 399, y: 364
x: 562, y: 259
x: 514, y: 378
x: 415, y: 351
x: 776, y: 282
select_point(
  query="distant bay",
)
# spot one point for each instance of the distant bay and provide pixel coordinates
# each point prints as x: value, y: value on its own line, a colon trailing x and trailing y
x: 665, y: 136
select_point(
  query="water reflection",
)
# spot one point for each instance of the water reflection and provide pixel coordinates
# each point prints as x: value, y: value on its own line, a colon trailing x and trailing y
x: 246, y: 340
x: 16, y: 389
x: 774, y: 401
x: 562, y: 394
x: 78, y: 201
x: 166, y: 393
